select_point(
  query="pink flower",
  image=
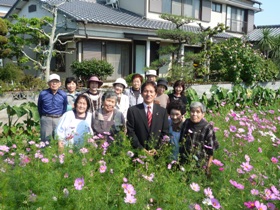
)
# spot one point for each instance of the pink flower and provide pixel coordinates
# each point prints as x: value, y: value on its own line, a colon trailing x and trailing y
x: 45, y: 160
x: 79, y: 183
x: 246, y: 166
x: 240, y: 171
x: 260, y: 206
x: 4, y: 148
x: 208, y: 192
x: 130, y: 199
x: 125, y: 179
x: 102, y: 168
x: 260, y: 150
x: 274, y: 160
x: 271, y: 206
x: 195, y: 187
x: 128, y: 189
x: 217, y: 162
x: 84, y: 150
x: 215, y: 203
x: 254, y: 192
x: 236, y: 185
x: 149, y: 178
x: 232, y: 128
x: 221, y: 169
x: 274, y: 190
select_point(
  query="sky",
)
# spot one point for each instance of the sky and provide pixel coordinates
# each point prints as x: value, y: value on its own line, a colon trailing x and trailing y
x: 270, y: 14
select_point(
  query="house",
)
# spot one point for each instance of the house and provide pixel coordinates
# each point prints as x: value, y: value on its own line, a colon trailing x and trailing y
x: 257, y: 34
x: 123, y: 32
x: 5, y: 6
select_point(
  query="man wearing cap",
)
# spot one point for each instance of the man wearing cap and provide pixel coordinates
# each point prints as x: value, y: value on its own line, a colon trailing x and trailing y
x: 93, y: 93
x: 151, y: 75
x: 52, y: 104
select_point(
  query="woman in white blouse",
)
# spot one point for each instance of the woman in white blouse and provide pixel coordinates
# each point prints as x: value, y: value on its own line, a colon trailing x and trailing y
x: 122, y: 101
x: 75, y: 125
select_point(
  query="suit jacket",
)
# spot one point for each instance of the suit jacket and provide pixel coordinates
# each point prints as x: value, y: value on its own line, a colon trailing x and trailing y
x: 138, y: 130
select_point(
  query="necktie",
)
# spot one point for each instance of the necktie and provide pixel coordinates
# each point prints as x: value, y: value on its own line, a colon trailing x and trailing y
x: 149, y: 116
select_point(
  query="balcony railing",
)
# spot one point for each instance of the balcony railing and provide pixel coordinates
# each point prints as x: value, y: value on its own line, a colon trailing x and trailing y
x: 237, y: 26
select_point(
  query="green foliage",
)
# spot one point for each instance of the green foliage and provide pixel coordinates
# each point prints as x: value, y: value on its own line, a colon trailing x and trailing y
x: 11, y: 72
x: 235, y: 61
x: 41, y: 178
x: 88, y: 68
x: 4, y: 50
x: 27, y: 126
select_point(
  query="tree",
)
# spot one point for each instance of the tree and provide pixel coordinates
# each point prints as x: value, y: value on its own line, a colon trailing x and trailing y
x: 266, y: 42
x: 4, y: 51
x: 40, y: 36
x: 179, y: 69
x: 236, y: 61
x: 87, y: 68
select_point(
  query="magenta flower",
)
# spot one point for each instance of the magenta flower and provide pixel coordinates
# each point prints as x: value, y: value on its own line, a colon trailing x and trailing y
x: 260, y: 206
x: 215, y: 203
x: 79, y: 183
x: 246, y: 166
x: 195, y: 187
x: 274, y: 160
x: 249, y: 204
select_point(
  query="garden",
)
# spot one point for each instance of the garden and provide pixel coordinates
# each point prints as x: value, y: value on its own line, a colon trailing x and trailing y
x: 245, y: 173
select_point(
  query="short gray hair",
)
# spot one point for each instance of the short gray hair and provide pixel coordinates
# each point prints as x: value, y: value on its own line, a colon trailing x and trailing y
x: 197, y: 104
x: 109, y: 94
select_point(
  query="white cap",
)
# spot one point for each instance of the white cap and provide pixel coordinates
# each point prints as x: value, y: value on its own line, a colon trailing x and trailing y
x: 54, y: 76
x: 120, y: 81
x: 151, y: 72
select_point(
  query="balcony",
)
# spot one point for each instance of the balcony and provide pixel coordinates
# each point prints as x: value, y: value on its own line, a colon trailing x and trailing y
x: 237, y: 26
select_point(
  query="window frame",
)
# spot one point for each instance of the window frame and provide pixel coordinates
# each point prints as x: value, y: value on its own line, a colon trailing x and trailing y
x: 215, y: 7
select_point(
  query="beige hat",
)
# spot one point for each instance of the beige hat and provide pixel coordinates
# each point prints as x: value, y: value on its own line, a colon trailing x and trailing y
x: 151, y: 72
x: 120, y: 81
x: 53, y: 77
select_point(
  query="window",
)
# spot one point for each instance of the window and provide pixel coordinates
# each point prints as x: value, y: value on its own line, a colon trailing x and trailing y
x: 189, y: 8
x: 235, y: 19
x: 216, y: 7
x: 32, y: 8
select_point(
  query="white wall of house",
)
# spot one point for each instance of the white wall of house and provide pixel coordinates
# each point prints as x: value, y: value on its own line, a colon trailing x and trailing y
x: 136, y: 6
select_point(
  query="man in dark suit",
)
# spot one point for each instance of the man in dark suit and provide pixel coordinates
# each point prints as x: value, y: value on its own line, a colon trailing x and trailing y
x: 147, y: 122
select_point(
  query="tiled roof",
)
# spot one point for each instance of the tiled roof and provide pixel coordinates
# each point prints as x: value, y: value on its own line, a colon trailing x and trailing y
x: 99, y: 13
x: 256, y: 34
x: 7, y: 2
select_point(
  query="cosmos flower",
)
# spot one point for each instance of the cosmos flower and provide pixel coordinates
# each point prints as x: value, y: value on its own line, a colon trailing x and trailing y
x: 195, y: 187
x: 79, y: 183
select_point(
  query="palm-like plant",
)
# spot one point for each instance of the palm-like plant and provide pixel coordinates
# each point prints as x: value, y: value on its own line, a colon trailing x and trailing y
x: 266, y: 43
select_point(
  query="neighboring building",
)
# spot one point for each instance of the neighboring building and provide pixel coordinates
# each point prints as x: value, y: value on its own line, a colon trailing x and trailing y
x: 124, y: 32
x: 5, y: 6
x: 257, y: 34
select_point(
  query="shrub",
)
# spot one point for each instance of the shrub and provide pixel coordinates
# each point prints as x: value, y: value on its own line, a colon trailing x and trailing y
x: 11, y: 72
x: 87, y: 68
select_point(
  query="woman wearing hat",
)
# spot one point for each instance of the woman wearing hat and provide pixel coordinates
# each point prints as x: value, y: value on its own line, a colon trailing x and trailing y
x: 134, y: 93
x: 162, y: 99
x: 122, y: 100
x: 151, y: 75
x: 93, y: 93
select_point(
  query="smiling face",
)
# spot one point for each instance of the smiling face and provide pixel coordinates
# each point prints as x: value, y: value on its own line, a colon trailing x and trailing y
x: 118, y: 88
x: 160, y: 89
x: 109, y: 104
x: 54, y: 85
x: 196, y: 115
x: 136, y: 83
x: 93, y: 86
x: 178, y: 89
x: 176, y: 116
x: 149, y: 94
x: 81, y: 106
x: 71, y: 87
x: 151, y: 78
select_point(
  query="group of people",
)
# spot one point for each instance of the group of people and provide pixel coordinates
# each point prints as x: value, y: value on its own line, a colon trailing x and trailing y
x: 143, y: 111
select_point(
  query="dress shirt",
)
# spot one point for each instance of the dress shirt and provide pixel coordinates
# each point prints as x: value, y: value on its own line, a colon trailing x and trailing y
x: 146, y: 107
x: 52, y: 104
